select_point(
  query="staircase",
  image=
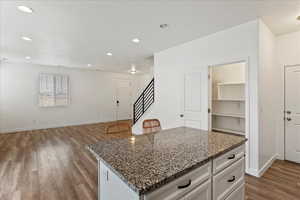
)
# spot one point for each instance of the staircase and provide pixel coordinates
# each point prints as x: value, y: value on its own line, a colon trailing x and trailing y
x: 145, y: 100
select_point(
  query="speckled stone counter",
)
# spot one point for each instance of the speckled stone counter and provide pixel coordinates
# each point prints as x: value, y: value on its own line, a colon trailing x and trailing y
x: 149, y: 161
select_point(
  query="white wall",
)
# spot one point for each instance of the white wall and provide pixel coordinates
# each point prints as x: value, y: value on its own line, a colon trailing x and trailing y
x: 143, y: 81
x: 240, y: 42
x: 92, y: 97
x: 269, y: 114
x: 287, y: 53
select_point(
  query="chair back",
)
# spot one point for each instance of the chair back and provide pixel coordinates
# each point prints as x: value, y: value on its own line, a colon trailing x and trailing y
x: 151, y: 126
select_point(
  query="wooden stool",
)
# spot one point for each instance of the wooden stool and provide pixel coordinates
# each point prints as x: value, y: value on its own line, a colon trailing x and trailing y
x: 151, y: 126
x: 118, y: 127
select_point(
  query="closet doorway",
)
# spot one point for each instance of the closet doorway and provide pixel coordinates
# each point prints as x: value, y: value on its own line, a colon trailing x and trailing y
x: 227, y: 98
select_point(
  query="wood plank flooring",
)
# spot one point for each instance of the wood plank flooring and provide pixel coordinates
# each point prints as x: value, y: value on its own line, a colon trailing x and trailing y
x: 280, y: 182
x: 53, y: 164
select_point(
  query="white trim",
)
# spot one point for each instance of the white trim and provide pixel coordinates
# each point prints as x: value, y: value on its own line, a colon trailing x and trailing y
x: 261, y: 171
x: 252, y: 172
x: 267, y: 165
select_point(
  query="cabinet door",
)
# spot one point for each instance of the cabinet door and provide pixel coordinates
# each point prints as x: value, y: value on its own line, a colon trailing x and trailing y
x: 112, y: 187
x: 238, y: 194
x: 202, y: 192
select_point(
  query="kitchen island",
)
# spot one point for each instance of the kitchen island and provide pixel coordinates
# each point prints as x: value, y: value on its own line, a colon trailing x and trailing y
x: 181, y: 163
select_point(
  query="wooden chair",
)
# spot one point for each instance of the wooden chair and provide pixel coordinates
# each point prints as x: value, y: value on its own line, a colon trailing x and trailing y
x: 151, y: 126
x: 118, y: 127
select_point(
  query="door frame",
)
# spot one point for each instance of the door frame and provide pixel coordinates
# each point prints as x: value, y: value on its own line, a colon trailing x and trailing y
x: 247, y: 104
x: 284, y: 106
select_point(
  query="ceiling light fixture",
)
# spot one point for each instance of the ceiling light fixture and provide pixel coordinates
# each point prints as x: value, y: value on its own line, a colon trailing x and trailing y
x: 25, y: 9
x: 27, y: 57
x: 164, y: 26
x: 109, y: 54
x: 26, y: 38
x: 136, y: 40
x: 89, y: 65
x: 132, y: 70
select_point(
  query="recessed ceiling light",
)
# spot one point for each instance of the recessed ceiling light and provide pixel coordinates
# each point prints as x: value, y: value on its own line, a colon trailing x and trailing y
x: 109, y: 53
x: 136, y: 40
x: 25, y: 9
x: 27, y: 57
x: 164, y: 26
x: 89, y: 65
x: 26, y: 38
x: 133, y: 69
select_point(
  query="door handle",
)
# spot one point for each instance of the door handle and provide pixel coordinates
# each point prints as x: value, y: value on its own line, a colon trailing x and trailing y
x: 231, y: 180
x: 231, y: 157
x: 288, y: 112
x: 289, y: 119
x: 185, y: 186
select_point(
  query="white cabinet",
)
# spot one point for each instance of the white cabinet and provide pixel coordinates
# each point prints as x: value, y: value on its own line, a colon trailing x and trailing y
x: 238, y: 194
x: 112, y: 187
x: 226, y: 181
x: 202, y: 192
x: 178, y: 188
x: 225, y: 160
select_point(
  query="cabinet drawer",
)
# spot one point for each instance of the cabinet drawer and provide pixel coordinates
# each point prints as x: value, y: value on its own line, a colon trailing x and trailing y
x: 202, y: 192
x: 228, y: 158
x: 238, y: 194
x: 228, y: 180
x: 179, y: 187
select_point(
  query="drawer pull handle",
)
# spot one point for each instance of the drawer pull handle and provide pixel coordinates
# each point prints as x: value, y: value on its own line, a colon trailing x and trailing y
x: 185, y: 186
x: 231, y: 180
x: 231, y: 157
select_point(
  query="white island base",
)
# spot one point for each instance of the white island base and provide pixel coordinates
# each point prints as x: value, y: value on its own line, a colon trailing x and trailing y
x: 220, y: 179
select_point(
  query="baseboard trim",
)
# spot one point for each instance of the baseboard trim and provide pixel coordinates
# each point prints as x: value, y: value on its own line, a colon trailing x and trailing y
x: 260, y: 172
x: 252, y: 172
x: 267, y: 165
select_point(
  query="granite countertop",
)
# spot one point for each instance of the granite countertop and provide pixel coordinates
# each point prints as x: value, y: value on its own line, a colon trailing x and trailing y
x: 147, y: 162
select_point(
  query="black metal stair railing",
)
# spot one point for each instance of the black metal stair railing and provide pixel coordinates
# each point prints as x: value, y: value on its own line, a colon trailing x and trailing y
x: 145, y: 100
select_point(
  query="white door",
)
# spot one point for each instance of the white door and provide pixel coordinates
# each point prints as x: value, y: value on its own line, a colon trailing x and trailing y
x: 195, y: 102
x: 292, y: 114
x: 123, y: 100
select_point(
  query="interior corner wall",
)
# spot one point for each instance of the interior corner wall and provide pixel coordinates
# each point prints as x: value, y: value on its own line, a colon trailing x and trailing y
x: 287, y: 53
x: 92, y: 97
x: 234, y: 44
x: 269, y: 113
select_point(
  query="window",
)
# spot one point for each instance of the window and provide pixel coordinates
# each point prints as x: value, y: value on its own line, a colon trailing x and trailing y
x: 54, y: 90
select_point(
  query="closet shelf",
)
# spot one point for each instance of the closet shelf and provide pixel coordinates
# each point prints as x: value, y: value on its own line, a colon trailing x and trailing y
x: 231, y: 83
x: 239, y: 100
x: 228, y: 131
x: 229, y: 115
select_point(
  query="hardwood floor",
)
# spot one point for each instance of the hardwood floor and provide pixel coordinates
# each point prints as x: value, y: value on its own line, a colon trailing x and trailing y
x: 53, y: 164
x: 280, y: 182
x: 50, y: 164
